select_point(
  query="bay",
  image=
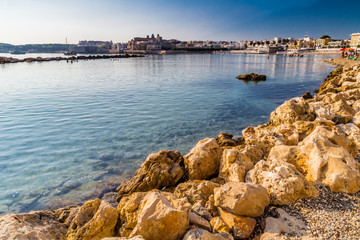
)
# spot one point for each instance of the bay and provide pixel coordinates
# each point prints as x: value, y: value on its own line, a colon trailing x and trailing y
x: 71, y: 132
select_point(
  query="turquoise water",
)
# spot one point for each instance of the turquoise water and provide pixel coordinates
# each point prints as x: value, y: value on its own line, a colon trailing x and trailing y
x: 71, y: 132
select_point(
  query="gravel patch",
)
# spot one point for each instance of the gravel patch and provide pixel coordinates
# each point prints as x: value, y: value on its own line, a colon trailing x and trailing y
x: 332, y: 216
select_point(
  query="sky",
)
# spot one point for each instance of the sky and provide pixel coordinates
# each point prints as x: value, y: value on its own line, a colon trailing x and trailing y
x: 52, y: 21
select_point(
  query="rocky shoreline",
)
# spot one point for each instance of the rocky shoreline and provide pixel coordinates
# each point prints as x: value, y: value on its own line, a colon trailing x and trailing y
x: 4, y: 60
x: 295, y: 177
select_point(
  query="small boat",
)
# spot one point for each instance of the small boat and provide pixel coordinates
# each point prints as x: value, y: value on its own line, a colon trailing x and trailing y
x: 72, y: 53
x: 17, y: 52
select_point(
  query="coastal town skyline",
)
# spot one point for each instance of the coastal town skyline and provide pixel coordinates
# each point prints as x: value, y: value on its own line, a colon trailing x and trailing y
x: 40, y: 21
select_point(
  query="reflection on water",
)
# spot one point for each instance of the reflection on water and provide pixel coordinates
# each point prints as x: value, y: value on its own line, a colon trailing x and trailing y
x: 70, y: 132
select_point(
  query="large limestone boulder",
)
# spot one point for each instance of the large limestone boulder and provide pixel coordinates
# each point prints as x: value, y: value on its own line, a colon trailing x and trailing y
x: 162, y: 169
x: 33, y: 225
x: 241, y: 227
x: 322, y: 157
x: 291, y: 111
x: 352, y: 132
x: 242, y: 199
x: 66, y: 214
x: 348, y: 85
x: 196, y: 191
x: 201, y: 234
x: 129, y: 209
x: 304, y: 128
x: 254, y: 153
x: 225, y: 140
x: 95, y: 220
x: 356, y: 106
x: 343, y: 109
x: 332, y: 80
x: 287, y: 133
x: 283, y: 182
x: 234, y: 165
x: 322, y: 110
x: 161, y: 218
x: 356, y: 119
x: 261, y: 137
x: 335, y: 135
x: 203, y: 161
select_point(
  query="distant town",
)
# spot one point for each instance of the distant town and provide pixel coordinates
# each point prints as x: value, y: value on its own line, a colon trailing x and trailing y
x: 152, y: 44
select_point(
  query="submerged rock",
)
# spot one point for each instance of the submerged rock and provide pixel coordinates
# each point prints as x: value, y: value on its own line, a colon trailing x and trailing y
x: 162, y: 169
x: 252, y: 77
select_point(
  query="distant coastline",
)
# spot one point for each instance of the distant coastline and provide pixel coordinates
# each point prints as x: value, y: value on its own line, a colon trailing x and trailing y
x: 4, y: 60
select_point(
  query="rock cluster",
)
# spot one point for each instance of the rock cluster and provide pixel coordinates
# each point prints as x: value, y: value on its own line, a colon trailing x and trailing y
x: 251, y: 77
x: 226, y: 188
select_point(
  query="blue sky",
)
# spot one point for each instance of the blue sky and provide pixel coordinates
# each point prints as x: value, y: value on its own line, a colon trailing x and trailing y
x: 40, y: 21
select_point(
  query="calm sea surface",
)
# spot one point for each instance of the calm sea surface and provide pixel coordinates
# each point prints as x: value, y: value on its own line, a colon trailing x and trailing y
x: 71, y: 132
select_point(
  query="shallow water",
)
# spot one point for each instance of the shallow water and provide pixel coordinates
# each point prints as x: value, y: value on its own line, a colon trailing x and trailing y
x: 70, y: 132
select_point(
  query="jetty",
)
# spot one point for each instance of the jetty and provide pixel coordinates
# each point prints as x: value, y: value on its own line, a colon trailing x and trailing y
x: 4, y: 60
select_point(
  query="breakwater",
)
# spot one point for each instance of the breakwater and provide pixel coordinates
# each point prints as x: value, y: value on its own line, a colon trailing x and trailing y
x: 4, y: 60
x: 256, y: 185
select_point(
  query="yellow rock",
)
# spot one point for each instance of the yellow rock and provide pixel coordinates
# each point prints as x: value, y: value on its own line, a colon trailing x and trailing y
x: 198, y: 221
x: 342, y: 108
x: 323, y: 157
x: 159, y: 170
x: 291, y: 111
x: 92, y: 227
x: 242, y: 199
x: 219, y: 225
x: 129, y: 208
x: 161, y: 218
x: 241, y: 227
x: 33, y: 225
x: 197, y: 191
x: 203, y: 161
x: 262, y: 138
x: 234, y: 165
x: 284, y: 183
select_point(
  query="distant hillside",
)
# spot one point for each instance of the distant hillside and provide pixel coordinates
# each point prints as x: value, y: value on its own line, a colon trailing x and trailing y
x: 36, y: 48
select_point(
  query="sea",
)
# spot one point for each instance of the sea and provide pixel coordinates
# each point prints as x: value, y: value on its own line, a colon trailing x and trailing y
x: 70, y: 132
